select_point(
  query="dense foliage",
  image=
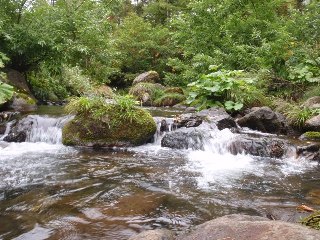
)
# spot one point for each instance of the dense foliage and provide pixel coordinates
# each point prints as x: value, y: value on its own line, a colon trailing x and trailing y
x: 66, y: 47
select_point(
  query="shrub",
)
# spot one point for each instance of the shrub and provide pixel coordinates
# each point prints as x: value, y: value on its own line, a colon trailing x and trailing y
x: 224, y: 88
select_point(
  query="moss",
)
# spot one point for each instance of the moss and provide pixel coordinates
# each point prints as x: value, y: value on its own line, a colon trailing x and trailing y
x: 27, y: 98
x: 147, y: 92
x: 312, y: 135
x: 115, y: 130
x: 169, y: 99
x: 312, y: 221
x: 177, y: 90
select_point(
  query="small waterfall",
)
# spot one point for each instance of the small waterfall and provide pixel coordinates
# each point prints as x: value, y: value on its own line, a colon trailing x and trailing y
x: 47, y: 129
x: 38, y: 128
x: 163, y: 125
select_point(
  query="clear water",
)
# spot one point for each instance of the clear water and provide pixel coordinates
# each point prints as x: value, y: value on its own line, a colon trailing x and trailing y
x: 49, y: 191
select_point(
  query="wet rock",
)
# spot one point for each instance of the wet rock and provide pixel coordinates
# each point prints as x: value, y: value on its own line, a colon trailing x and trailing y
x: 18, y: 131
x: 219, y: 117
x: 185, y: 138
x: 6, y: 117
x: 147, y: 77
x: 242, y: 227
x: 310, y: 152
x: 313, y: 102
x: 188, y: 120
x: 313, y: 124
x: 265, y: 120
x: 262, y: 146
x: 164, y: 126
x: 216, y: 116
x: 157, y: 234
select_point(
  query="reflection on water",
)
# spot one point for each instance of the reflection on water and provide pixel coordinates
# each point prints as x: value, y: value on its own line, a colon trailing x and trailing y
x: 54, y: 192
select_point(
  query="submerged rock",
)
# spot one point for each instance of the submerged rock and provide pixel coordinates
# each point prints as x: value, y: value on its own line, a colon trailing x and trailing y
x: 147, y: 77
x: 112, y: 131
x: 243, y: 227
x: 157, y: 234
x: 265, y: 120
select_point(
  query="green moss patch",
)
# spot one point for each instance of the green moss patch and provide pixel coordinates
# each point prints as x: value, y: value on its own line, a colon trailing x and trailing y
x: 115, y: 129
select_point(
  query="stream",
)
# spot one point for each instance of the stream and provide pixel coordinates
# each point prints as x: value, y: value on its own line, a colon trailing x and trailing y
x: 50, y: 191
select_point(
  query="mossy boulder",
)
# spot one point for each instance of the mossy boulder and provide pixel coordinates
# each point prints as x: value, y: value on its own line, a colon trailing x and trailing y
x: 22, y: 102
x: 177, y: 90
x: 146, y: 93
x: 311, y: 136
x: 113, y: 130
x: 169, y: 99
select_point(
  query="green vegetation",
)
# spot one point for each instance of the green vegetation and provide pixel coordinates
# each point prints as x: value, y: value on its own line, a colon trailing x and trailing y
x: 312, y: 221
x: 6, y: 92
x: 312, y: 135
x: 100, y: 123
x: 70, y: 48
x: 223, y: 88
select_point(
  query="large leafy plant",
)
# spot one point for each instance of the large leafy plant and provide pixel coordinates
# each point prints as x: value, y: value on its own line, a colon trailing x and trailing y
x: 222, y: 88
x: 6, y: 92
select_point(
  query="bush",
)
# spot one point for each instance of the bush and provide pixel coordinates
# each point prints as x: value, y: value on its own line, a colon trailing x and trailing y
x: 224, y: 88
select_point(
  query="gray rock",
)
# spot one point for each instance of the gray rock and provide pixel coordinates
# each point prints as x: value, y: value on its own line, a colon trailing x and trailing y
x: 242, y: 227
x: 150, y: 77
x: 313, y: 124
x: 184, y: 138
x: 310, y: 152
x: 260, y: 146
x: 265, y: 120
x: 313, y: 102
x: 23, y: 104
x: 158, y: 234
x: 17, y: 80
x: 216, y: 116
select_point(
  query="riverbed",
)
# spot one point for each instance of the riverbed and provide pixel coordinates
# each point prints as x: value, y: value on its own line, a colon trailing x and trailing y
x: 50, y: 191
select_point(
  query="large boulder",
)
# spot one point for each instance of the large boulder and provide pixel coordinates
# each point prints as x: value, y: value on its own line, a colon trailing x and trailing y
x: 313, y: 124
x: 265, y: 120
x: 242, y: 227
x: 313, y: 102
x: 147, y: 77
x: 17, y: 80
x: 22, y: 102
x: 169, y: 99
x: 113, y: 130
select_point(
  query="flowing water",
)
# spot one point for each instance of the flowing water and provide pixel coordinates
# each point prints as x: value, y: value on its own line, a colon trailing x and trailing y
x: 49, y: 191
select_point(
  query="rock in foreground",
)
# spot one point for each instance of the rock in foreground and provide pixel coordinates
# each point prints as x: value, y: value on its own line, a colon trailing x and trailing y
x: 242, y: 227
